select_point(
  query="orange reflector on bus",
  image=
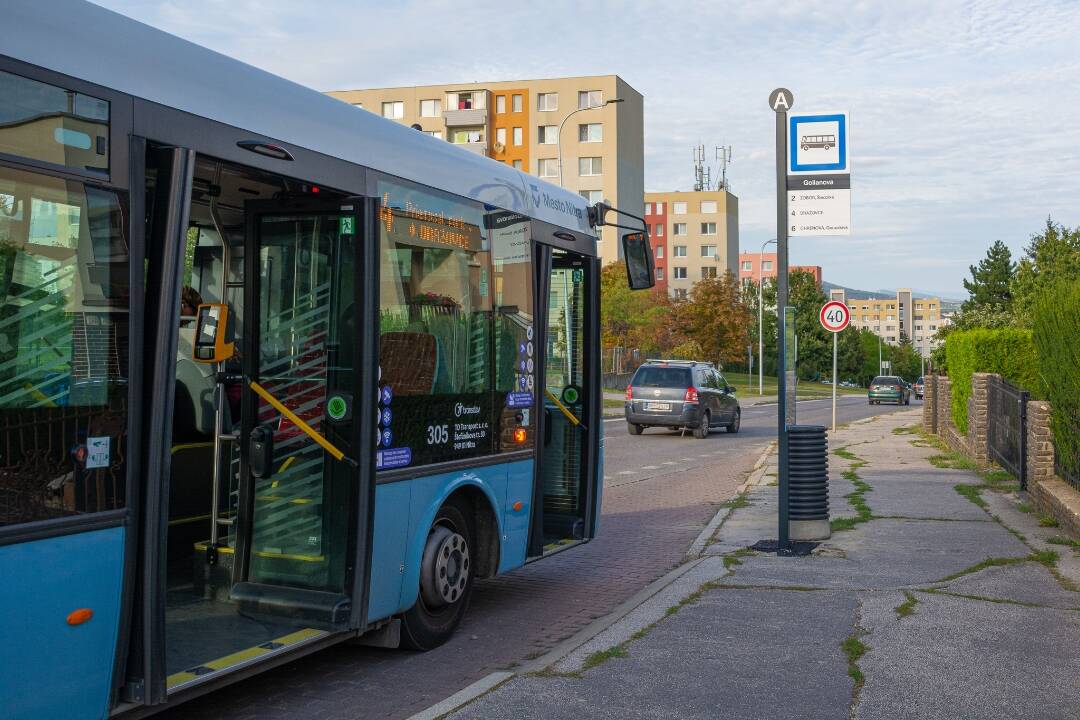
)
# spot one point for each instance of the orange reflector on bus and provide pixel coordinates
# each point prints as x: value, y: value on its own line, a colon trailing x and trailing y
x: 520, y: 435
x: 517, y: 506
x: 78, y: 617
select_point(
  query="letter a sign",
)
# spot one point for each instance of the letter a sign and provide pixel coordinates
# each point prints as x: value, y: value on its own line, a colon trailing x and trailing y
x: 781, y: 100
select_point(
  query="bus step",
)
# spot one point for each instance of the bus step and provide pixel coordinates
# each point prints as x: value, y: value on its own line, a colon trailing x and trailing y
x: 323, y: 608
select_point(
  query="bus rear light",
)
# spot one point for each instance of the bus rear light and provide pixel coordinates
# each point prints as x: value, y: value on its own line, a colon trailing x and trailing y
x: 691, y: 395
x: 78, y: 617
x: 629, y: 392
x: 520, y: 435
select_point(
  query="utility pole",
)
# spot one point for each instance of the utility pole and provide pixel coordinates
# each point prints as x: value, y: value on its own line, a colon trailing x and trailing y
x: 568, y: 116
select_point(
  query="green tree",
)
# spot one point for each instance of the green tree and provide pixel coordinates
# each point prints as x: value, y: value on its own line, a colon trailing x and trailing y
x: 634, y: 318
x: 815, y: 345
x: 991, y: 280
x: 1052, y: 256
x: 850, y: 354
x: 716, y: 318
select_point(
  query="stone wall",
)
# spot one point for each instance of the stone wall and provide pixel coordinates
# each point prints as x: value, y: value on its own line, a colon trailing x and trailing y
x: 977, y: 438
x: 1040, y: 443
x: 929, y: 416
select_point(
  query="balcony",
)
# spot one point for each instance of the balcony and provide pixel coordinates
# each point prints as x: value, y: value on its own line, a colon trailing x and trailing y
x: 460, y: 118
x: 480, y: 148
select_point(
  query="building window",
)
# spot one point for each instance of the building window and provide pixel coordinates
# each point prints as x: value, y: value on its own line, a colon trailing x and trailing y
x: 460, y: 137
x: 500, y: 103
x: 547, y: 168
x: 659, y: 208
x: 678, y: 228
x: 659, y: 229
x: 933, y: 327
x: 592, y: 196
x: 518, y: 165
x: 680, y: 293
x: 678, y: 208
x: 648, y: 208
x: 394, y: 110
x: 918, y: 327
x: 708, y: 228
x: 430, y: 108
x: 708, y: 207
x: 590, y: 166
x: 591, y: 132
x: 679, y: 273
x: 748, y: 265
x: 546, y: 102
x: 500, y: 136
x: 708, y: 273
x: 518, y: 136
x: 866, y: 318
x: 434, y: 133
x: 708, y: 251
x: 515, y: 103
x: 679, y: 251
x: 465, y: 100
x: 589, y: 99
x: 892, y: 338
x: 659, y: 273
x: 547, y: 134
x: 890, y: 317
x: 766, y: 265
x: 659, y: 252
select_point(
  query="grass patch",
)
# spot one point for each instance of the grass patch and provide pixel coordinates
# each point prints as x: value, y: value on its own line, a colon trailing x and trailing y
x: 854, y: 649
x: 908, y: 606
x: 601, y: 656
x: 1047, y: 521
x: 1024, y: 507
x: 971, y: 492
x: 1048, y: 558
x: 953, y: 461
x: 1058, y: 540
x: 618, y: 404
x: 855, y: 498
x: 845, y: 453
x: 739, y: 501
x: 988, y: 562
x: 730, y: 562
x: 906, y: 430
x: 983, y: 598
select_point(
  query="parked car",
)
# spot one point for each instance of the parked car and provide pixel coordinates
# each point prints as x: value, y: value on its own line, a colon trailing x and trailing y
x: 681, y: 394
x: 919, y: 388
x: 889, y: 388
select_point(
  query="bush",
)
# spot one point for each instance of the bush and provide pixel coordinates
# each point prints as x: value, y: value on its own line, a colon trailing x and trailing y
x: 1056, y: 332
x: 1009, y: 352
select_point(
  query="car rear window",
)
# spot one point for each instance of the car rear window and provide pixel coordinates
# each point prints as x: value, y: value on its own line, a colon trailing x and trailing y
x: 662, y: 377
x: 885, y: 380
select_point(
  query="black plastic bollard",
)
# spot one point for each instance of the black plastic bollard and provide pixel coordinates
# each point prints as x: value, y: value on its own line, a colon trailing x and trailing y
x: 808, y: 482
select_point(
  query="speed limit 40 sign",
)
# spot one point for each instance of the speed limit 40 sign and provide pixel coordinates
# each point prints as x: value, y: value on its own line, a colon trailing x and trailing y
x: 834, y: 316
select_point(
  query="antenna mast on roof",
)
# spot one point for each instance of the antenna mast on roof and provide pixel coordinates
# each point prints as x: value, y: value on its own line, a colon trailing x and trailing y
x: 702, y: 172
x: 723, y: 154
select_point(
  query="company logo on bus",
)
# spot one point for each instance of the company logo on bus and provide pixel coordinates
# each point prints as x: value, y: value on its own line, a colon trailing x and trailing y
x: 461, y: 409
x: 551, y: 203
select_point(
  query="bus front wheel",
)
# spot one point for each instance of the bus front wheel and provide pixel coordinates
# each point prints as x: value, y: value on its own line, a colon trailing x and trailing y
x: 446, y: 581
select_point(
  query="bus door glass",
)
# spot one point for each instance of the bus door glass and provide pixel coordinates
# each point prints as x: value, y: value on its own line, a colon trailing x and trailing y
x: 567, y: 459
x: 263, y: 492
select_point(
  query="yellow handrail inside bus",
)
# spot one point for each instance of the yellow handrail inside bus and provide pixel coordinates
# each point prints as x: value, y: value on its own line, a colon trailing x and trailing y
x: 565, y: 411
x: 296, y: 420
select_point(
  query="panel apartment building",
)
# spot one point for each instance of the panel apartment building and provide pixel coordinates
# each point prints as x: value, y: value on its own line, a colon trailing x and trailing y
x: 893, y: 319
x: 695, y: 235
x: 518, y: 122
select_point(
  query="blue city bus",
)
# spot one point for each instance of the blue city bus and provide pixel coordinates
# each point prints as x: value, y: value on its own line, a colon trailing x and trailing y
x: 275, y: 373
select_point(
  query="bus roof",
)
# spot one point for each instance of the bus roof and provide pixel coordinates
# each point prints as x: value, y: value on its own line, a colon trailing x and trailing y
x: 102, y: 47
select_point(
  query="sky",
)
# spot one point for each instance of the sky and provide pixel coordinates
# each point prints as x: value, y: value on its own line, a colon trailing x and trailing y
x: 963, y: 114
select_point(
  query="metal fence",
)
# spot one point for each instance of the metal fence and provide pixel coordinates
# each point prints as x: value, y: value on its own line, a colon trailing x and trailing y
x: 1066, y: 461
x: 1006, y: 431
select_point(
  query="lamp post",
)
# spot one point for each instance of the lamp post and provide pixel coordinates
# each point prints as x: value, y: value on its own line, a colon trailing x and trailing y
x: 568, y: 116
x: 761, y: 321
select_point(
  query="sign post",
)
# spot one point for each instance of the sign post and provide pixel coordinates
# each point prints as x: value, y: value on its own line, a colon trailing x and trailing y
x: 780, y: 101
x: 834, y: 317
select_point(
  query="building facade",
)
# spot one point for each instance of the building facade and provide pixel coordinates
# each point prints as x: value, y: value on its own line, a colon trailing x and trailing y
x: 895, y: 319
x: 754, y: 266
x: 700, y: 233
x: 656, y: 219
x: 518, y: 122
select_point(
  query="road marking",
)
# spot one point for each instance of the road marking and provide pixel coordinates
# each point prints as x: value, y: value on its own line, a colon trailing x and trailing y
x: 669, y: 462
x: 650, y: 467
x: 627, y: 472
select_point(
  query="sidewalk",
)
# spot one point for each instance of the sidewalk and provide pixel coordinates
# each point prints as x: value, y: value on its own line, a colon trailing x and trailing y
x: 927, y: 606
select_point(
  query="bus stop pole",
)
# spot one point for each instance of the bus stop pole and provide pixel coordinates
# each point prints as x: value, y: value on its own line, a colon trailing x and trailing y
x: 834, y: 382
x: 781, y: 101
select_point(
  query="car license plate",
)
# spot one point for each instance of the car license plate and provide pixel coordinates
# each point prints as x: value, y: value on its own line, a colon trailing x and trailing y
x: 657, y: 406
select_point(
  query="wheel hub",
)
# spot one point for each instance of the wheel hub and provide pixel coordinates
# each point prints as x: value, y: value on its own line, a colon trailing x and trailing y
x: 446, y: 567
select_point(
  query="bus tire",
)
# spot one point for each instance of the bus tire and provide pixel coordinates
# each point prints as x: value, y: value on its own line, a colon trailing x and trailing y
x: 446, y: 581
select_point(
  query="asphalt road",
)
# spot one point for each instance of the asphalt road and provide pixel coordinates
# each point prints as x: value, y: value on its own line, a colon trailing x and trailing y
x: 660, y: 490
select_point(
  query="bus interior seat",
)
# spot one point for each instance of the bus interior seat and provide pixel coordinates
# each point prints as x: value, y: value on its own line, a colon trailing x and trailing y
x: 409, y: 362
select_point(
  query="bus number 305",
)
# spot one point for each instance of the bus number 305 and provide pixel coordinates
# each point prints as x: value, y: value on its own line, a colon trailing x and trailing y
x: 437, y: 434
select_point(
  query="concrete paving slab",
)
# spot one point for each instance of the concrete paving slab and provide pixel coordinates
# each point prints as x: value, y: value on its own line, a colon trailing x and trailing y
x: 955, y: 659
x: 755, y: 654
x: 1027, y: 582
x: 916, y: 495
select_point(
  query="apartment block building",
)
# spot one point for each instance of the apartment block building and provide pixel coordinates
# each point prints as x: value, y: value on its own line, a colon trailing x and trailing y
x: 695, y: 234
x: 895, y: 318
x: 753, y: 266
x: 597, y: 122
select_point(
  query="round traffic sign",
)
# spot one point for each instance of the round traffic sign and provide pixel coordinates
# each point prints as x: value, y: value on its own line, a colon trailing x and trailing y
x: 834, y: 316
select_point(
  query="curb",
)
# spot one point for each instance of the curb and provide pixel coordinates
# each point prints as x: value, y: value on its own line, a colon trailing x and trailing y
x: 464, y: 696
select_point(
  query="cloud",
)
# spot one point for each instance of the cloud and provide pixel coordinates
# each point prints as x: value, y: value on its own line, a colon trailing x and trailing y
x: 963, y: 113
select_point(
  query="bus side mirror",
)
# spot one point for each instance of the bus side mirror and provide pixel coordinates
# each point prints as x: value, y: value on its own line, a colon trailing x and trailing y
x: 213, y: 336
x: 637, y: 254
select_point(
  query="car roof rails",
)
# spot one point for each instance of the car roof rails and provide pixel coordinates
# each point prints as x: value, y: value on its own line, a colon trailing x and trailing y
x: 691, y: 363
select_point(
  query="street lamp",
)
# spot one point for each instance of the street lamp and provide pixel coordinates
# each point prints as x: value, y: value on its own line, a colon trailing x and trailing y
x: 761, y: 321
x: 568, y: 116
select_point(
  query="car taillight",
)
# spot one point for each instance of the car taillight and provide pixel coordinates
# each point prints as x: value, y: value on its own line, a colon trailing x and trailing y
x: 629, y: 392
x: 691, y: 395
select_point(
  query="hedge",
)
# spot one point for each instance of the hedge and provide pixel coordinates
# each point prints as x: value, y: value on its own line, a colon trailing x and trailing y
x: 1009, y: 352
x: 1056, y: 335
